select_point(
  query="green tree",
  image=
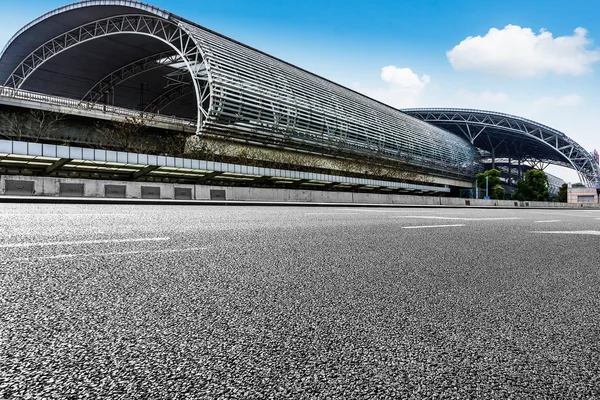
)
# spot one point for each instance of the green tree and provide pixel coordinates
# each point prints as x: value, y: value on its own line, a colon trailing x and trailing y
x: 534, y: 187
x: 498, y: 192
x: 493, y: 179
x: 562, y: 193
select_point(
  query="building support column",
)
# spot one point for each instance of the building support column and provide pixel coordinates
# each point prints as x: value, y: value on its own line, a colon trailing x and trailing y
x: 509, y: 171
x: 520, y: 170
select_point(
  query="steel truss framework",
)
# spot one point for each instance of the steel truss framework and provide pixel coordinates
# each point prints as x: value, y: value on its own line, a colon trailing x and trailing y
x: 174, y: 93
x: 511, y: 137
x: 243, y: 92
x: 168, y: 32
x: 114, y: 79
x: 180, y: 82
x: 257, y: 95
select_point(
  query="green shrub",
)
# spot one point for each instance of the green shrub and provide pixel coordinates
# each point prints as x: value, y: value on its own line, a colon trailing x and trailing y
x: 498, y: 192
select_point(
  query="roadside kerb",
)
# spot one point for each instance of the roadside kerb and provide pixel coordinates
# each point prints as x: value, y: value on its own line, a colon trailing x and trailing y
x: 48, y: 190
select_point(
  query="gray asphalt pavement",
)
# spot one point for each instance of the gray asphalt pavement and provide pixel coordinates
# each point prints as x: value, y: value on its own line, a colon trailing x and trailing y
x: 194, y: 302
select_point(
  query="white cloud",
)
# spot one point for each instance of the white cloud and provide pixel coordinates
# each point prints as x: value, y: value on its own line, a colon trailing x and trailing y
x: 486, y: 96
x: 519, y: 52
x: 404, y: 77
x: 564, y: 101
x: 402, y: 90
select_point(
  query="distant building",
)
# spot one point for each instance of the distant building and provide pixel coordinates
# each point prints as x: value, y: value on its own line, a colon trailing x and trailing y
x: 578, y: 194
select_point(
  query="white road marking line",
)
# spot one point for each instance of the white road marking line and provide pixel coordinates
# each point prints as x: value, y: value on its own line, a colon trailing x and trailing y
x: 62, y: 215
x: 583, y: 211
x: 403, y: 211
x: 549, y: 220
x: 571, y: 232
x: 80, y: 242
x: 454, y: 218
x: 115, y: 253
x: 331, y: 213
x: 431, y: 226
x: 573, y: 214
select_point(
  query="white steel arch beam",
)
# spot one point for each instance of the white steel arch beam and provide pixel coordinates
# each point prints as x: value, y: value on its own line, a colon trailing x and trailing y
x: 138, y: 5
x: 574, y: 155
x: 172, y: 94
x: 129, y: 71
x: 257, y: 96
x: 254, y: 96
x: 171, y: 33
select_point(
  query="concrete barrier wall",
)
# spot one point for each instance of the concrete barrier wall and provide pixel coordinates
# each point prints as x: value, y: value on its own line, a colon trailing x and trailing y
x: 49, y: 186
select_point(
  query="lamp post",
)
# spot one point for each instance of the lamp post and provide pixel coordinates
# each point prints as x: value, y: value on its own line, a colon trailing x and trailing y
x: 486, y: 187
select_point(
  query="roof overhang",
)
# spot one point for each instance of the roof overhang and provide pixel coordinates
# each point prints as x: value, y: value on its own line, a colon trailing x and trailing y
x: 500, y: 135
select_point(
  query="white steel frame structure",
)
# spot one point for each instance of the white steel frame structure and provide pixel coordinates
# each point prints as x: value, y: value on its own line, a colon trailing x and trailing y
x: 109, y: 82
x: 168, y: 32
x: 172, y: 94
x: 254, y: 94
x: 510, y: 137
x: 242, y: 92
x: 230, y: 89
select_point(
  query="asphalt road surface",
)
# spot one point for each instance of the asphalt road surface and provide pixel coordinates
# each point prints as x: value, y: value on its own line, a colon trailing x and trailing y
x: 194, y: 302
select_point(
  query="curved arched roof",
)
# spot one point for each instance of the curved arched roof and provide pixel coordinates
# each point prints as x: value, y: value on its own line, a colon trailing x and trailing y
x: 502, y: 136
x: 73, y: 15
x: 69, y: 50
x: 132, y: 55
x: 61, y: 20
x: 97, y: 58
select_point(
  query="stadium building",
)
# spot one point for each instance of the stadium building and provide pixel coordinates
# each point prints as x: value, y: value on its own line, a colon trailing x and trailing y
x: 119, y: 61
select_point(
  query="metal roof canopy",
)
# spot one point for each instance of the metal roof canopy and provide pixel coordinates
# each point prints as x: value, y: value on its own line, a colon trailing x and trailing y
x: 76, y: 48
x: 76, y: 51
x: 92, y: 49
x: 508, y: 136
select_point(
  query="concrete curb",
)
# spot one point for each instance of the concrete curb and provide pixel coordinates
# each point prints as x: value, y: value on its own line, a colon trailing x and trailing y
x: 99, y: 200
x: 55, y: 190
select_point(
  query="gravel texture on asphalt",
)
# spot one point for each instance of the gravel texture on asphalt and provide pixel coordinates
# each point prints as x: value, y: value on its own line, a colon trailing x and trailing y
x: 197, y: 302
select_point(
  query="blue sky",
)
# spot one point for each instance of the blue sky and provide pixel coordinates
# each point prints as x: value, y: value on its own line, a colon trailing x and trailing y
x: 535, y: 59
